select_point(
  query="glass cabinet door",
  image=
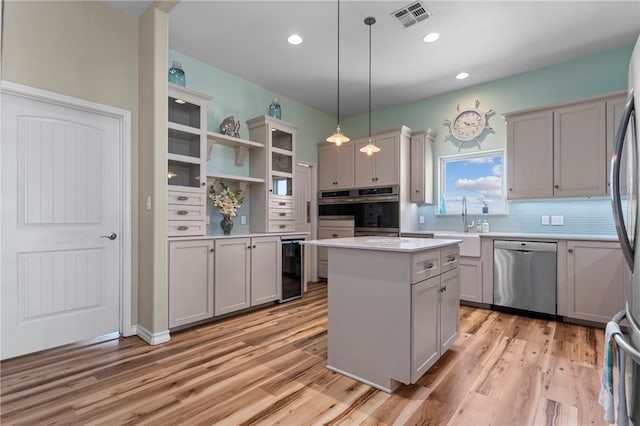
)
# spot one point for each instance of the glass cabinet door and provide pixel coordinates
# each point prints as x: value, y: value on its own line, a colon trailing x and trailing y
x: 183, y: 174
x: 183, y: 112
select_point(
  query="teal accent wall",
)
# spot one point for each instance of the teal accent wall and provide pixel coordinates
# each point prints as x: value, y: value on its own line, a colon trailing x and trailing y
x: 588, y: 76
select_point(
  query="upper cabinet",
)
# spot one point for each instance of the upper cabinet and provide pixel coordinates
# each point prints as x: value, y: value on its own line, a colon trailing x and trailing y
x: 421, y: 167
x: 187, y: 161
x: 275, y: 162
x: 559, y: 151
x: 615, y: 108
x: 382, y: 168
x: 336, y: 166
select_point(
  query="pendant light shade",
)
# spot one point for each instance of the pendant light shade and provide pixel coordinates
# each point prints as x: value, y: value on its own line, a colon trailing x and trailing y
x: 338, y: 137
x: 370, y: 148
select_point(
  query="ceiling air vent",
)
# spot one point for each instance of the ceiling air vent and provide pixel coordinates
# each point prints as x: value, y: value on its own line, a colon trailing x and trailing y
x: 411, y: 14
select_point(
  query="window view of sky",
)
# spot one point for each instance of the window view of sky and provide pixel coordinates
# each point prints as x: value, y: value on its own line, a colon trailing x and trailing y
x: 477, y: 177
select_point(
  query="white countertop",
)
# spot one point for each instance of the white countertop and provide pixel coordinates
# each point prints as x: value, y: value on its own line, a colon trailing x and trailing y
x: 526, y: 236
x: 255, y: 234
x: 404, y: 244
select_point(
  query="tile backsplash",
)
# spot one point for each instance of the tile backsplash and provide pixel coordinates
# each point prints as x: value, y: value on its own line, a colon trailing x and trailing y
x: 581, y: 216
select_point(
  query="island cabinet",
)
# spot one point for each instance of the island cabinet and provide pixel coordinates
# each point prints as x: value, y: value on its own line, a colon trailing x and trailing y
x: 336, y: 166
x: 393, y: 307
x: 190, y: 281
x: 596, y: 276
x: 381, y: 168
x: 248, y: 272
x: 560, y: 151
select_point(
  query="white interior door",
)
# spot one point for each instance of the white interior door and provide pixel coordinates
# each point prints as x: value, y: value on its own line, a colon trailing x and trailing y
x: 304, y: 190
x: 60, y: 184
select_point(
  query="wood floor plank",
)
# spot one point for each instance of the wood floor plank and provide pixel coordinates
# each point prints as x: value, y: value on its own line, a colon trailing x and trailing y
x: 268, y: 367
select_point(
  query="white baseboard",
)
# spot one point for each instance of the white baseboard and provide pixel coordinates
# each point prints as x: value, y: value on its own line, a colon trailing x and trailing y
x: 152, y: 338
x: 131, y: 331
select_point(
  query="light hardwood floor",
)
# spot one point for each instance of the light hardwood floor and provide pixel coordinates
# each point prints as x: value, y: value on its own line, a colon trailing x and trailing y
x: 268, y: 367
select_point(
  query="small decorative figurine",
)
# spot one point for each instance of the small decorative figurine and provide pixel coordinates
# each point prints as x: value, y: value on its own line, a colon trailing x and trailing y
x: 230, y: 127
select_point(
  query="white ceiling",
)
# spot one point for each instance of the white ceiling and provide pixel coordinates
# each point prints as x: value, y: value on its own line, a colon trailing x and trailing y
x: 489, y: 40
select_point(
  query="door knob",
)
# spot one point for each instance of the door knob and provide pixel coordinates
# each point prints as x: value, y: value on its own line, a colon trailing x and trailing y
x: 111, y: 236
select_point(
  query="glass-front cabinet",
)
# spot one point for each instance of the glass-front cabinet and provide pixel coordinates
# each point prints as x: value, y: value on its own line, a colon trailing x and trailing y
x: 278, y: 160
x: 186, y: 161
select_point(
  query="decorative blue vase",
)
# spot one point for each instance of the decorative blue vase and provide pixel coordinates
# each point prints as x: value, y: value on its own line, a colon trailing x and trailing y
x: 274, y: 109
x: 176, y: 74
x: 226, y: 224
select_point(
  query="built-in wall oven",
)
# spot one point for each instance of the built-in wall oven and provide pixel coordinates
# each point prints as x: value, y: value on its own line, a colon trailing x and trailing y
x: 375, y: 211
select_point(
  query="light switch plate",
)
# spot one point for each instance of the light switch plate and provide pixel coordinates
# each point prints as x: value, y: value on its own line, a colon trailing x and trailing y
x: 148, y: 203
x: 208, y: 220
x: 557, y: 220
x: 421, y: 220
x: 545, y: 220
x: 243, y: 220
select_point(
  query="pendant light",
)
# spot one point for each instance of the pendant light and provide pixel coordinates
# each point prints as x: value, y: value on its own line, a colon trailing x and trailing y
x: 370, y: 148
x: 338, y: 137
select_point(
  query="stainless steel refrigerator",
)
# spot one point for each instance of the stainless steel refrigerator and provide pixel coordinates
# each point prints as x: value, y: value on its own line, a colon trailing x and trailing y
x: 625, y: 212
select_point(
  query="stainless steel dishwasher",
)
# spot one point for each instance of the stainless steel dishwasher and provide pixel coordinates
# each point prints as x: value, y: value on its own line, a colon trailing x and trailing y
x: 524, y: 275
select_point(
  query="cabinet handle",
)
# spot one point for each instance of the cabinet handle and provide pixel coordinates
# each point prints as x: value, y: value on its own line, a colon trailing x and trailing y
x: 451, y: 259
x: 204, y: 184
x: 570, y: 250
x: 430, y: 265
x: 417, y: 190
x: 282, y: 203
x: 282, y: 214
x: 183, y: 198
x: 183, y: 212
x: 556, y: 186
x: 443, y: 289
x: 211, y: 250
x: 334, y: 235
x: 249, y: 247
x: 254, y: 246
x: 282, y: 226
x: 182, y: 228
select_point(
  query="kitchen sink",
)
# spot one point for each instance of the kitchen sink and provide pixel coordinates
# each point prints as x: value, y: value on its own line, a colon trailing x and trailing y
x: 470, y: 245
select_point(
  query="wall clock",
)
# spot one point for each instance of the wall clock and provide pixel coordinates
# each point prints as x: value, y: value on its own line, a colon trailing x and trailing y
x: 467, y: 127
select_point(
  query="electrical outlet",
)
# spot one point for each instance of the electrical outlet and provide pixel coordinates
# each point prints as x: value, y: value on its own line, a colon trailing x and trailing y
x: 557, y: 220
x: 421, y: 220
x: 148, y: 203
x: 545, y: 220
x: 243, y: 220
x: 208, y: 220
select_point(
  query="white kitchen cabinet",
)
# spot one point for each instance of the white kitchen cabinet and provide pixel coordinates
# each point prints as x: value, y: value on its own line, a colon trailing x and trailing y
x: 336, y: 169
x: 275, y: 162
x: 187, y: 161
x: 421, y: 170
x: 561, y: 151
x: 247, y: 272
x: 425, y: 324
x: 382, y: 168
x: 190, y: 281
x: 530, y: 155
x: 615, y: 108
x: 470, y: 279
x: 579, y: 143
x: 449, y: 309
x: 331, y: 229
x: 596, y: 280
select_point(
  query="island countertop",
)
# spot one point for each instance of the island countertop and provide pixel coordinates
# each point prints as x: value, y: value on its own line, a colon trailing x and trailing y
x: 403, y: 244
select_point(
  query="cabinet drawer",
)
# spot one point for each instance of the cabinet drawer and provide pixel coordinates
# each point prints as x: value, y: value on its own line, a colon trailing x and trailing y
x: 280, y: 203
x: 186, y: 212
x: 187, y: 198
x: 425, y: 265
x: 449, y: 258
x: 180, y: 228
x: 282, y: 226
x: 281, y: 214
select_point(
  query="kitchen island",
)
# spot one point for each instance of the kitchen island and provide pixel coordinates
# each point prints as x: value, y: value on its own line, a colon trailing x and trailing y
x: 393, y: 306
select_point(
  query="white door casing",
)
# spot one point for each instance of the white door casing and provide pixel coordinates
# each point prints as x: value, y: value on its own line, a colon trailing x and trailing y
x: 65, y: 182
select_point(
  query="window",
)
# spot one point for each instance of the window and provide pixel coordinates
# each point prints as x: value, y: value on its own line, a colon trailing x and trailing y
x: 478, y: 177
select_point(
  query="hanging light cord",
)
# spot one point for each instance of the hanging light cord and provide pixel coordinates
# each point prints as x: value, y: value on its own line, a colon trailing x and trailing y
x: 338, y: 112
x: 371, y: 22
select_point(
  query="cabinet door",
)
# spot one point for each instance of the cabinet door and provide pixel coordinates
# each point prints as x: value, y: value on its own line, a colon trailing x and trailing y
x: 326, y: 167
x: 364, y: 165
x: 387, y: 161
x: 345, y: 167
x: 266, y: 269
x: 324, y: 233
x: 470, y: 279
x: 530, y: 155
x: 580, y: 163
x: 421, y: 180
x: 449, y: 309
x: 596, y: 280
x: 190, y: 281
x: 425, y: 326
x: 615, y: 108
x: 232, y: 275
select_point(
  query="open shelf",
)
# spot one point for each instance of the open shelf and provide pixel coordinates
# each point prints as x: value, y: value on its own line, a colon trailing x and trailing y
x: 243, y: 181
x: 242, y: 146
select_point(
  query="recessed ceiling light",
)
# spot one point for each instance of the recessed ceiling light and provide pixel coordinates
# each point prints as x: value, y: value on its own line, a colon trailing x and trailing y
x: 431, y: 37
x: 294, y: 39
x: 462, y: 75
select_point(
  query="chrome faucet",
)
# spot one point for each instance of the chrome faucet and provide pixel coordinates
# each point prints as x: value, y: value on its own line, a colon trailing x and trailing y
x: 465, y: 216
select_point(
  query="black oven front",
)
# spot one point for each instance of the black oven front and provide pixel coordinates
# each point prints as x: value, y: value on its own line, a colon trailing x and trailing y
x: 376, y: 211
